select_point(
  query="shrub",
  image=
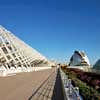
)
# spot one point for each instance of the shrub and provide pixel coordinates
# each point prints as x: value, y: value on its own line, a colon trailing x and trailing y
x: 87, y: 92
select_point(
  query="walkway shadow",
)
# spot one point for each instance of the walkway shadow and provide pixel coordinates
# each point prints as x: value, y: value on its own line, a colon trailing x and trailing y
x: 58, y: 90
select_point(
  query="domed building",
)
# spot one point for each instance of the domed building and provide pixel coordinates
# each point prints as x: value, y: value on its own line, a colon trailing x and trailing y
x: 79, y: 58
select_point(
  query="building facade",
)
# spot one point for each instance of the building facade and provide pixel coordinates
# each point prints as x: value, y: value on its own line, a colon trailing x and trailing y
x: 16, y: 54
x: 79, y: 58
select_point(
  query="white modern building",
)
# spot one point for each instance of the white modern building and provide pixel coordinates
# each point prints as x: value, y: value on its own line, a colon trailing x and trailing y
x: 16, y: 56
x: 79, y: 60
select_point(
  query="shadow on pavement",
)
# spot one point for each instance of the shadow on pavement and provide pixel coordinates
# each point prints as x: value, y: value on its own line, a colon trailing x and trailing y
x: 58, y: 90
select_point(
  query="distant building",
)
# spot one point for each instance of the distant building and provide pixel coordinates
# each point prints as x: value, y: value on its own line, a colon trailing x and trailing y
x: 97, y: 65
x: 79, y: 58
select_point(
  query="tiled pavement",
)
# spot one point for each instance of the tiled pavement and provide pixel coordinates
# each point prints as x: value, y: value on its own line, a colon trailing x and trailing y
x: 41, y: 85
x: 51, y: 89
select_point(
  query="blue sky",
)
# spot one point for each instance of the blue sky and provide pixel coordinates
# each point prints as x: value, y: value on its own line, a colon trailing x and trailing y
x: 55, y: 27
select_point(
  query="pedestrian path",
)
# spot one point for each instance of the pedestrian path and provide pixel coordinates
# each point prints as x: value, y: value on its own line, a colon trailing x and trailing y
x: 50, y: 89
x: 21, y: 86
x: 45, y: 90
x: 41, y: 85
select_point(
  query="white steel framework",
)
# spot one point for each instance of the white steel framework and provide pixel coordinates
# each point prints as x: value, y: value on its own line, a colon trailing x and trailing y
x: 15, y: 54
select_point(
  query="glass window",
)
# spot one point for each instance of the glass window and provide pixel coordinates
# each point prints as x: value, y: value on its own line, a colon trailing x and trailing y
x: 8, y: 57
x: 16, y: 59
x: 2, y: 60
x: 10, y: 48
x: 14, y: 55
x: 5, y: 50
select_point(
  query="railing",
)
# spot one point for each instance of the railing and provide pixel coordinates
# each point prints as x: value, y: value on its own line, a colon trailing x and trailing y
x: 70, y: 92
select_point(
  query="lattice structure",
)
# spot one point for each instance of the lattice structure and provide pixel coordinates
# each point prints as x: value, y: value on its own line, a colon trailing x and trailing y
x: 15, y: 53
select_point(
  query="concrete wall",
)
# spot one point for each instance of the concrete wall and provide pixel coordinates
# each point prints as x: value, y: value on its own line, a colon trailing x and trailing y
x: 13, y: 71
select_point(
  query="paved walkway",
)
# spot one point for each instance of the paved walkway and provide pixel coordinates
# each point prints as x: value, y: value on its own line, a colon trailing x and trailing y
x: 22, y: 85
x: 45, y: 90
x: 41, y: 85
x: 51, y: 89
